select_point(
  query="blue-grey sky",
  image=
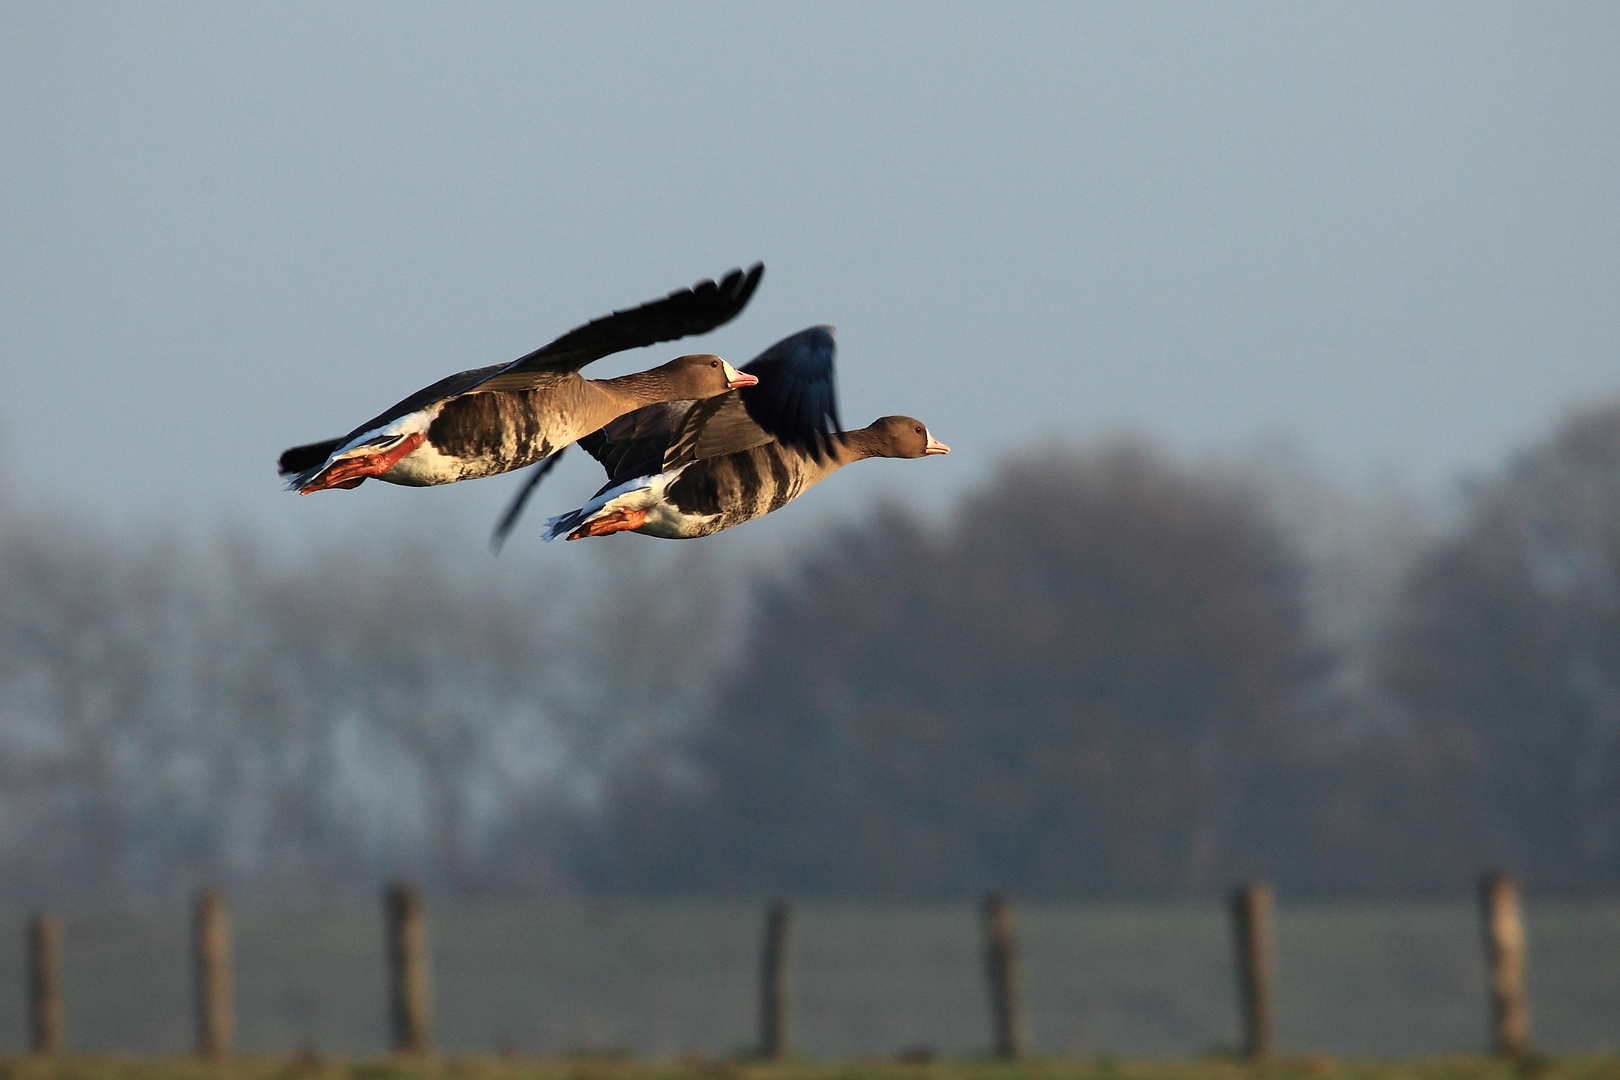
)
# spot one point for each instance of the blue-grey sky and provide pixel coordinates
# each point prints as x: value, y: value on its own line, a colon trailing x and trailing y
x: 1391, y: 233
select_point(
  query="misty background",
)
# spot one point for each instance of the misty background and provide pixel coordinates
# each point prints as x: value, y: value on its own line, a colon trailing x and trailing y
x: 1275, y: 348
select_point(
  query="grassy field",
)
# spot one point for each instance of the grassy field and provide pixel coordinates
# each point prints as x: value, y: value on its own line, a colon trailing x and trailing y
x: 313, y: 1068
x: 670, y: 980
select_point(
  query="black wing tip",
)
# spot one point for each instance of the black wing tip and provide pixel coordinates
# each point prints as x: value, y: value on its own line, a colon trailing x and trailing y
x: 734, y: 289
x: 712, y: 303
x: 820, y: 336
x: 738, y: 277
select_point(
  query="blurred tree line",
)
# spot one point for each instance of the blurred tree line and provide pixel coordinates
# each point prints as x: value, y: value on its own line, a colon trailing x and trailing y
x: 1106, y: 673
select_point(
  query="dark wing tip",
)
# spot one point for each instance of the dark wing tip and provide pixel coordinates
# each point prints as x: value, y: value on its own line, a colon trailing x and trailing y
x: 684, y: 312
x: 796, y: 400
x: 725, y: 299
x: 743, y: 289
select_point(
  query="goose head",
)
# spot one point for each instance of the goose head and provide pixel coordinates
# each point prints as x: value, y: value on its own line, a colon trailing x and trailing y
x: 904, y: 437
x: 703, y: 375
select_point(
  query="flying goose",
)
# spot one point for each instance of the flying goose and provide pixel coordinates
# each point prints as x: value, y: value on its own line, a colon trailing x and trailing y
x: 492, y: 419
x: 684, y: 469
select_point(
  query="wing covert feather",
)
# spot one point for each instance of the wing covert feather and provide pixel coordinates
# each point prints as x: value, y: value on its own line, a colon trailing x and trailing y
x: 713, y: 428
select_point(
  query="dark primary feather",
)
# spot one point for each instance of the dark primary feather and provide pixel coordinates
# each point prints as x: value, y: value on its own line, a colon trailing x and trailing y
x: 685, y: 312
x: 796, y: 400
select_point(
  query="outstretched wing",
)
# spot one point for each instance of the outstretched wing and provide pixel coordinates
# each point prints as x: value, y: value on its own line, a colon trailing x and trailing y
x: 795, y: 400
x: 697, y: 310
x: 714, y: 427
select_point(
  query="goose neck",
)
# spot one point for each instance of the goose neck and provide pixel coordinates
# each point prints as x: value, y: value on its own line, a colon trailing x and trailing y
x: 848, y: 446
x: 638, y: 388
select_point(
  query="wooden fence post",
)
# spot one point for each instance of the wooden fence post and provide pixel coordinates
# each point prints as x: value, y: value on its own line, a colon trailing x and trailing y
x: 44, y: 983
x: 773, y: 996
x: 409, y: 1010
x: 1001, y: 964
x: 211, y: 969
x: 1504, y: 964
x: 1251, y: 932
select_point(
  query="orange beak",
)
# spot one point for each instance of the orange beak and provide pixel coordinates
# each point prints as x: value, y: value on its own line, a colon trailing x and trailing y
x: 736, y: 380
x: 935, y: 446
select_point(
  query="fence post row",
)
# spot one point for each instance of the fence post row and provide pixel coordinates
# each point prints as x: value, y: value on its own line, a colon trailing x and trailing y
x: 1251, y: 934
x: 44, y: 983
x: 1001, y: 965
x: 1504, y: 964
x: 410, y: 1009
x: 408, y: 1012
x: 211, y: 968
x: 773, y: 996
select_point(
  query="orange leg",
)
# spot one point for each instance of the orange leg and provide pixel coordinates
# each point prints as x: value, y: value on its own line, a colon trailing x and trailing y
x: 618, y: 521
x: 350, y: 471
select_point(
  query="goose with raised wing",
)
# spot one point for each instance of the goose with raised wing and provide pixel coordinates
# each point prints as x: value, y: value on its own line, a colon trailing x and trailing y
x: 493, y: 419
x: 685, y: 469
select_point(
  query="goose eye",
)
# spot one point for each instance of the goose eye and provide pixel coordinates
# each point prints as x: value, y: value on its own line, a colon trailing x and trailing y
x: 714, y: 363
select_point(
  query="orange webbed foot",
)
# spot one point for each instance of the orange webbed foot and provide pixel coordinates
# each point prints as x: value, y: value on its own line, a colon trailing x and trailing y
x: 607, y: 524
x: 350, y: 471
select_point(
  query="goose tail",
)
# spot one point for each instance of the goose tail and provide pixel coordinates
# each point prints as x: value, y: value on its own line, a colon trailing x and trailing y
x: 563, y: 524
x: 300, y: 463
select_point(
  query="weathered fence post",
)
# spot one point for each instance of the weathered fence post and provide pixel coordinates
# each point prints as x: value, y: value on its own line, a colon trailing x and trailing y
x: 408, y: 1003
x: 1001, y: 964
x: 1504, y: 963
x: 773, y: 992
x: 44, y: 985
x: 1251, y: 934
x: 211, y: 968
